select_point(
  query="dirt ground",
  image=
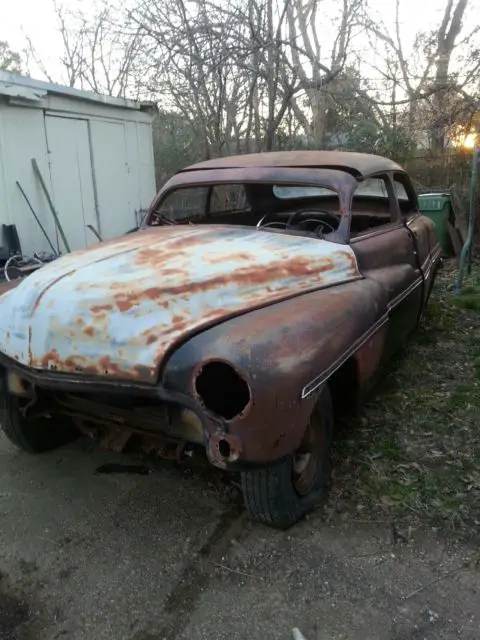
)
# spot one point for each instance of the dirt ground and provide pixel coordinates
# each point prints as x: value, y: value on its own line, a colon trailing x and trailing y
x: 171, y: 555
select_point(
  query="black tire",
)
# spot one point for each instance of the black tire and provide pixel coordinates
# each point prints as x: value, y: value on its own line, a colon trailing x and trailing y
x: 271, y: 493
x: 33, y: 435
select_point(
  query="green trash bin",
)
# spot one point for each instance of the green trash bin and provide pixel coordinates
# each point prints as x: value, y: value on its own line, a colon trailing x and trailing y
x: 437, y: 207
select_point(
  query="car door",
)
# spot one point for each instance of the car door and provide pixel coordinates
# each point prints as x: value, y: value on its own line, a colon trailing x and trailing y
x: 386, y: 254
x: 427, y: 247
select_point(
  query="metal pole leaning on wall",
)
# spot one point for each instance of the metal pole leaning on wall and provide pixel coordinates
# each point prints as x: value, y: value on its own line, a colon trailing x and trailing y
x: 36, y: 217
x: 50, y: 203
x: 95, y: 232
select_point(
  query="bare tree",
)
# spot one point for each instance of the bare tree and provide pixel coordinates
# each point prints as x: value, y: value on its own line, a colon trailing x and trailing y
x: 433, y: 95
x: 220, y: 65
x: 235, y: 68
x: 9, y: 60
x: 100, y: 52
x: 320, y: 81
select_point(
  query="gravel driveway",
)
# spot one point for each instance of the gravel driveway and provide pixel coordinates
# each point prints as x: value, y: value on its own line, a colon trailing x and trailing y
x: 169, y: 555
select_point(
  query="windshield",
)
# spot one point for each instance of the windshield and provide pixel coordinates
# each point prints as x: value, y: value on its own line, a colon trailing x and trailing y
x: 194, y: 203
x: 237, y: 203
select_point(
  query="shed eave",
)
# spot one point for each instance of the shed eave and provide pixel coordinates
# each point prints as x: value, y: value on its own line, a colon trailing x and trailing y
x: 11, y: 83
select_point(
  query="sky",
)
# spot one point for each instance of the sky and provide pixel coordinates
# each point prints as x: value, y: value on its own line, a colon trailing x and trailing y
x: 37, y: 19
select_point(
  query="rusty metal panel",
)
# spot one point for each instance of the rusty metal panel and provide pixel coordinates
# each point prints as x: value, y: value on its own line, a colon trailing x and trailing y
x: 279, y: 351
x: 340, y: 181
x: 6, y: 286
x: 116, y: 309
x: 362, y: 164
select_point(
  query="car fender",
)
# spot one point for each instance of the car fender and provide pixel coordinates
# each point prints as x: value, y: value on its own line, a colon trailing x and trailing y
x: 285, y: 352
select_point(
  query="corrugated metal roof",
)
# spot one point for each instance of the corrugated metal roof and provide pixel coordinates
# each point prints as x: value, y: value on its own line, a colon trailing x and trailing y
x: 16, y: 86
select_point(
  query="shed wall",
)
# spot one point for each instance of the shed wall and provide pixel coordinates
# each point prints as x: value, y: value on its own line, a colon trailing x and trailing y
x: 97, y: 162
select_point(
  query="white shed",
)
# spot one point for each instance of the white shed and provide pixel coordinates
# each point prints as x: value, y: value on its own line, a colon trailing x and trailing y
x: 94, y: 152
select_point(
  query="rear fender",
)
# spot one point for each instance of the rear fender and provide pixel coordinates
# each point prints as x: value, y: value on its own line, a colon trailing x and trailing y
x: 285, y: 353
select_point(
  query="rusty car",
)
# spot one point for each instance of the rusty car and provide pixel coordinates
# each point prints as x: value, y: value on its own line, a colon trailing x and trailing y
x: 262, y: 295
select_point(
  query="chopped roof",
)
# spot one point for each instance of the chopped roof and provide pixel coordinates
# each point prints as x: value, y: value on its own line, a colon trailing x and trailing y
x: 358, y: 164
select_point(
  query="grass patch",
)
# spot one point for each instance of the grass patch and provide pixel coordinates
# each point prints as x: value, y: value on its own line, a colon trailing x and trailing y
x: 413, y: 453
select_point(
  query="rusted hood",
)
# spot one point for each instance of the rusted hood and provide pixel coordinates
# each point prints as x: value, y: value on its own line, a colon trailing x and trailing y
x: 117, y: 308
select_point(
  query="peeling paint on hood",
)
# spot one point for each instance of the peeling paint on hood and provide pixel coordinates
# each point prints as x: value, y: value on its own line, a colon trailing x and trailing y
x: 117, y: 308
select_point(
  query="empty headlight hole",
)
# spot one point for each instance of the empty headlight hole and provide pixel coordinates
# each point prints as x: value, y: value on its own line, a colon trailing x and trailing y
x: 224, y: 448
x: 222, y: 390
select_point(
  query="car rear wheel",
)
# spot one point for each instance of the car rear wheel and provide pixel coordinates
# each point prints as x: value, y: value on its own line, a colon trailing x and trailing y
x: 36, y: 434
x: 281, y: 494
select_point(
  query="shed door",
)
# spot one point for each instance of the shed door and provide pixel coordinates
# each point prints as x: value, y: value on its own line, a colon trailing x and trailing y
x: 109, y: 149
x: 72, y: 181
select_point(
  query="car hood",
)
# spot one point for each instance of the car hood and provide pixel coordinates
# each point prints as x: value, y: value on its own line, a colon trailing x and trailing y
x: 117, y: 308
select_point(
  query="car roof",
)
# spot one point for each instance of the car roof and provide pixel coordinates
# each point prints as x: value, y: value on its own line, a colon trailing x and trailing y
x: 358, y: 164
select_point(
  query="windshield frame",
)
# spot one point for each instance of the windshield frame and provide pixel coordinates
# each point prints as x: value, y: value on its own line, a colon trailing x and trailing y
x: 339, y: 181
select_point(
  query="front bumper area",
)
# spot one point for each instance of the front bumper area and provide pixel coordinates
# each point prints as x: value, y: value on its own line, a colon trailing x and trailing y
x: 151, y: 411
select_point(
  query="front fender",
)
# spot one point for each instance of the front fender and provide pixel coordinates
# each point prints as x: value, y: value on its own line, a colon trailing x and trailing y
x: 279, y: 350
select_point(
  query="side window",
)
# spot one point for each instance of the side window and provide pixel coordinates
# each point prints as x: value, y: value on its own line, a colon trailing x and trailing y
x: 228, y: 198
x: 371, y: 208
x: 405, y: 194
x: 183, y: 204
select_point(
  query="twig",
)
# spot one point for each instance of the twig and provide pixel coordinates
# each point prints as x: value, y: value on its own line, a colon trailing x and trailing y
x: 367, y: 521
x: 432, y: 582
x: 48, y: 540
x: 297, y: 634
x: 240, y: 573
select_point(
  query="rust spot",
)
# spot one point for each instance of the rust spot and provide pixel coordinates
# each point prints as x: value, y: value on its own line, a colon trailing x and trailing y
x: 239, y: 256
x: 143, y: 373
x: 101, y: 307
x: 74, y: 363
x: 51, y: 357
x: 30, y: 356
x: 352, y: 259
x: 124, y: 305
x: 249, y: 275
x: 89, y: 331
x: 106, y: 364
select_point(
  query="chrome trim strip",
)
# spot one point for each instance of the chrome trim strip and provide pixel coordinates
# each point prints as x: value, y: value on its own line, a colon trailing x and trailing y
x: 430, y: 261
x: 396, y: 301
x: 323, y: 377
x: 312, y: 386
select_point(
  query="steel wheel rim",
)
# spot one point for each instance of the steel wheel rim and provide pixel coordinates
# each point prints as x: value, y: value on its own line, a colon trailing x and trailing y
x: 308, y: 458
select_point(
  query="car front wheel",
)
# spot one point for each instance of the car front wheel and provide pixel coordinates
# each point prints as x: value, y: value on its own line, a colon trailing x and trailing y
x: 36, y: 434
x: 281, y: 494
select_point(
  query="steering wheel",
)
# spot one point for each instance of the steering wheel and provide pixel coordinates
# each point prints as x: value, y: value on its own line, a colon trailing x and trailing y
x: 263, y: 221
x: 327, y: 220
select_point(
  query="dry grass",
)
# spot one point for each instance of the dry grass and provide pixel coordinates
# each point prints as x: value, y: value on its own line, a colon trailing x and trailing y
x: 413, y: 454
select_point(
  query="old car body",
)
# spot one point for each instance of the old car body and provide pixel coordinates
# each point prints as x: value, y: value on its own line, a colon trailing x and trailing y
x: 256, y: 284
